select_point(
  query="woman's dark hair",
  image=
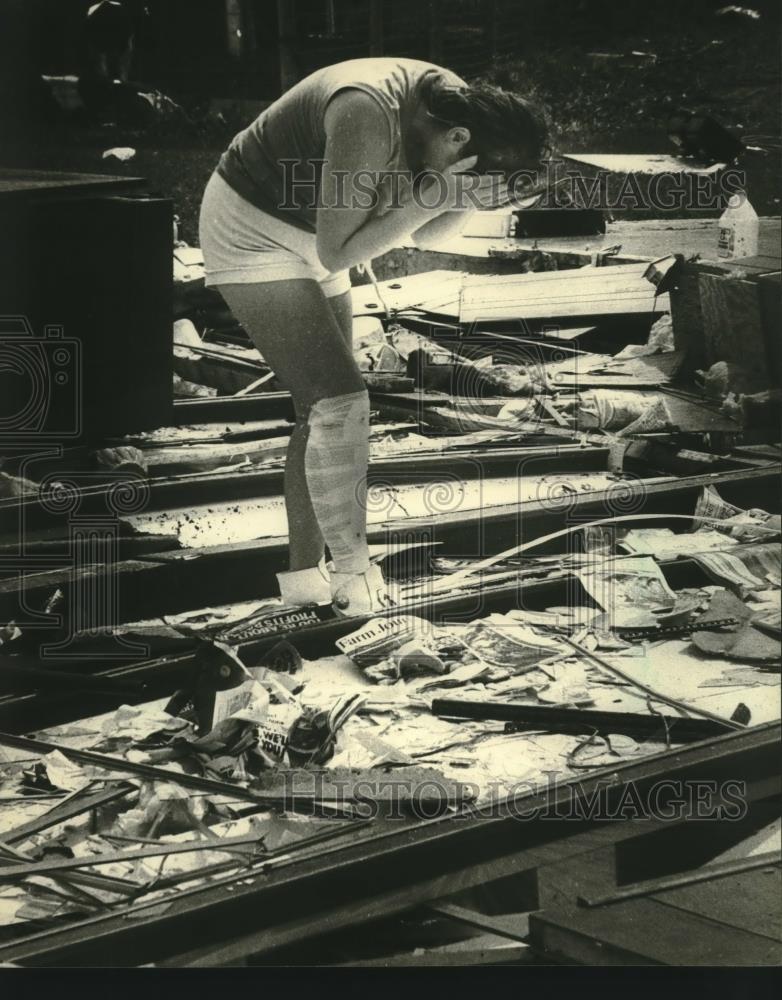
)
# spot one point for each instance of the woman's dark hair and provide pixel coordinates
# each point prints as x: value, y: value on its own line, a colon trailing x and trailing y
x: 500, y: 122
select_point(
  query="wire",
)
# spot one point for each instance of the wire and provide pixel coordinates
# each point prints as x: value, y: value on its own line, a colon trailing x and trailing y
x: 664, y: 698
x: 367, y: 267
x: 456, y: 579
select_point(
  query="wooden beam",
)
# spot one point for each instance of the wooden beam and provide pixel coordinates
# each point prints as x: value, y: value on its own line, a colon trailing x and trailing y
x: 406, y: 895
x: 554, y: 719
x: 151, y: 773
x: 240, y: 571
x: 15, y: 873
x: 510, y: 925
x: 652, y: 931
x: 63, y: 811
x: 398, y: 869
x: 488, y: 949
x: 768, y: 860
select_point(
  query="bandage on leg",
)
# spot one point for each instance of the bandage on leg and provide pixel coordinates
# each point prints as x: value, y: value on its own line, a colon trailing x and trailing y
x: 301, y: 587
x: 335, y: 464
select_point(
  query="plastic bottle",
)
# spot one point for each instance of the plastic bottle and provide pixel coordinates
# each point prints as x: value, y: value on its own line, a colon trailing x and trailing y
x: 739, y: 227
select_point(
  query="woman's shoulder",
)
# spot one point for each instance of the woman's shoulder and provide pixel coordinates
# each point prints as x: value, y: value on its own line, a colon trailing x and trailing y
x: 390, y: 75
x: 357, y: 120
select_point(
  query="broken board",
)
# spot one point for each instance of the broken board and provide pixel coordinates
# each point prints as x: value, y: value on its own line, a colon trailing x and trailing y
x: 729, y: 920
x: 586, y: 291
x: 433, y: 291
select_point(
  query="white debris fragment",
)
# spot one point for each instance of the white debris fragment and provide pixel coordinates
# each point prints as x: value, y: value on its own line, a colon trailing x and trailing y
x: 121, y: 153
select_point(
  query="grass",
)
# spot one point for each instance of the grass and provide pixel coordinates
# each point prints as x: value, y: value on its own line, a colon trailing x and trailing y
x: 729, y: 68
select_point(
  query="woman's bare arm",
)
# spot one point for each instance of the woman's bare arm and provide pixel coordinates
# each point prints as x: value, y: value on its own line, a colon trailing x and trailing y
x: 358, y: 144
x: 481, y: 193
x: 442, y: 228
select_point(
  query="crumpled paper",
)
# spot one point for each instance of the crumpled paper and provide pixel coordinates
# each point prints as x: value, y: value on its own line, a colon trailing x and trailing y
x: 137, y: 722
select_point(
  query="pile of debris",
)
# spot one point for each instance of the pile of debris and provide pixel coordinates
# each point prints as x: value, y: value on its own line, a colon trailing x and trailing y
x: 261, y: 758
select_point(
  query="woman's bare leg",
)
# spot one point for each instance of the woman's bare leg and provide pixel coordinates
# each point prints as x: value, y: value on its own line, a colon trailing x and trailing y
x: 342, y: 308
x: 295, y: 329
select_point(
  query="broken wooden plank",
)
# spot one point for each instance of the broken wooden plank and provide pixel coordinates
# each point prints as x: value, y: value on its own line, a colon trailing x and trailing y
x: 382, y: 875
x: 669, y: 928
x: 244, y: 570
x: 486, y: 950
x: 586, y: 371
x: 63, y: 811
x: 678, y: 881
x: 502, y: 455
x: 152, y: 773
x: 15, y: 873
x: 510, y: 925
x: 587, y: 291
x: 232, y: 409
x: 638, y: 240
x: 73, y: 879
x: 571, y: 720
x: 18, y: 673
x: 433, y: 291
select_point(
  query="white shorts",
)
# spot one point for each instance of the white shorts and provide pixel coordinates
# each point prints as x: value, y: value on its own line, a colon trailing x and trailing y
x: 242, y: 244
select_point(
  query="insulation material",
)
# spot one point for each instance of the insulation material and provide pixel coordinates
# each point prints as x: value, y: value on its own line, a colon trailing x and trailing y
x: 624, y: 412
x: 379, y: 358
x: 660, y: 340
x: 406, y: 342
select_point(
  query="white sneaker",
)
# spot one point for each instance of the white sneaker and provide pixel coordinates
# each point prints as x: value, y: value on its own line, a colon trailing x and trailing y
x: 360, y: 593
x: 301, y: 587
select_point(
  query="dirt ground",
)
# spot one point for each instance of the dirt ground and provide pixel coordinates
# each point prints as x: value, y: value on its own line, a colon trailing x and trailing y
x: 601, y: 95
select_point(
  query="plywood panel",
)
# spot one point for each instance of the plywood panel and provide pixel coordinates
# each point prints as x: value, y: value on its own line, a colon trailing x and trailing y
x: 586, y: 291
